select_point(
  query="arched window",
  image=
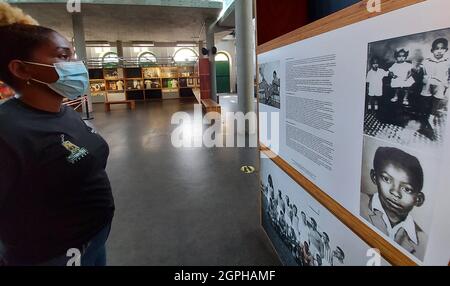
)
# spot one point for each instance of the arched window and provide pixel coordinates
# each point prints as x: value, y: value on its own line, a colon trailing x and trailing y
x: 147, y: 58
x: 185, y: 55
x: 110, y: 59
x: 221, y: 57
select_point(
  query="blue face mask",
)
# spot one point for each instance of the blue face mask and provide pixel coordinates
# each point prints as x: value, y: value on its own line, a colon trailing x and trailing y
x: 73, y: 79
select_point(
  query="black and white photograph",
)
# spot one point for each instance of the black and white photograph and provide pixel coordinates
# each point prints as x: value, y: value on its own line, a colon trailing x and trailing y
x: 297, y: 233
x: 269, y: 84
x: 302, y: 231
x: 407, y: 89
x: 397, y: 188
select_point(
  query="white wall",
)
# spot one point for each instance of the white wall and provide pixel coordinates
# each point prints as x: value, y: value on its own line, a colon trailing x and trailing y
x: 98, y: 52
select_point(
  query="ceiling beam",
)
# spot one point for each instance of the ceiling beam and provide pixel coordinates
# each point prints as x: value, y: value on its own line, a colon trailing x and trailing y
x: 171, y: 3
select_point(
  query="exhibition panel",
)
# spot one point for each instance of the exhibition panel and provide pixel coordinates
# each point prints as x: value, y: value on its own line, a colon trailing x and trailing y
x: 363, y: 124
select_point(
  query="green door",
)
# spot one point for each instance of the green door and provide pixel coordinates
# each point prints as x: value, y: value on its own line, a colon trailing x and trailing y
x: 223, y: 76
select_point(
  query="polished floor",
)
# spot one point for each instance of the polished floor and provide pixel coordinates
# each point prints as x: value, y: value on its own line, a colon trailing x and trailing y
x: 179, y: 206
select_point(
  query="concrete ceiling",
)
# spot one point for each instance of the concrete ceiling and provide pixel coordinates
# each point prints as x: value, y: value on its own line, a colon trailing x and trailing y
x: 228, y: 18
x: 126, y: 22
x: 175, y: 3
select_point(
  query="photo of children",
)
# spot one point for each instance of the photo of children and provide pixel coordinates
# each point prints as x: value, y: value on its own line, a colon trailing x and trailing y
x: 396, y: 193
x: 269, y: 84
x: 407, y: 85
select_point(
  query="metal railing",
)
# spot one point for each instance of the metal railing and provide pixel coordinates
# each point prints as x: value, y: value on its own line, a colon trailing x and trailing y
x: 78, y: 103
x: 135, y: 63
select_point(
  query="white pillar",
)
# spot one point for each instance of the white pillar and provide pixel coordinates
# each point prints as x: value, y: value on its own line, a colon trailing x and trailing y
x: 80, y: 45
x: 119, y: 45
x: 210, y: 43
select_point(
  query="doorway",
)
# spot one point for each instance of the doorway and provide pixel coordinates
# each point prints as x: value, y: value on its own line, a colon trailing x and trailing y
x: 223, y: 73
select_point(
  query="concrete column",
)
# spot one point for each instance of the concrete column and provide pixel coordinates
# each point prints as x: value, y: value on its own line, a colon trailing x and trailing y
x: 244, y: 54
x: 80, y: 45
x: 200, y: 47
x: 119, y: 45
x: 210, y: 43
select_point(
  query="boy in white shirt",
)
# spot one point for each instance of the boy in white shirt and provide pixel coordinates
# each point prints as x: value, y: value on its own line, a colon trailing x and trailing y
x: 374, y: 82
x: 399, y: 179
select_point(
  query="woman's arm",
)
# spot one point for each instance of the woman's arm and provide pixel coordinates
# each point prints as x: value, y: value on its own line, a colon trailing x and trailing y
x: 9, y: 166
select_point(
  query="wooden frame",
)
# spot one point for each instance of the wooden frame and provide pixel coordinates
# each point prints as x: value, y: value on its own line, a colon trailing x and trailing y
x: 351, y: 15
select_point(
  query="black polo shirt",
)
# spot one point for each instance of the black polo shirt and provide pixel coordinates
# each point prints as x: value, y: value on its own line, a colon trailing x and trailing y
x: 54, y: 190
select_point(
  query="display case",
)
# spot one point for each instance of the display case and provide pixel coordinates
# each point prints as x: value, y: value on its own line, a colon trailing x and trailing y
x: 190, y: 82
x: 154, y: 83
x: 115, y: 85
x: 183, y: 82
x: 146, y: 83
x: 96, y: 74
x: 151, y: 72
x: 115, y: 96
x: 169, y: 72
x: 132, y: 73
x: 135, y: 84
x: 113, y: 73
x: 186, y: 71
x: 97, y: 86
x: 153, y: 94
x: 170, y: 93
x: 170, y: 83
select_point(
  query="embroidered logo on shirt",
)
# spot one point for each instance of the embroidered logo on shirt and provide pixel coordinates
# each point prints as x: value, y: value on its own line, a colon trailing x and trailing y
x: 76, y: 153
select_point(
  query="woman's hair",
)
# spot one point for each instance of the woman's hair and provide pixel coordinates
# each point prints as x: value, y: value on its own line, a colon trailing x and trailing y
x: 401, y: 160
x: 12, y: 15
x: 20, y: 36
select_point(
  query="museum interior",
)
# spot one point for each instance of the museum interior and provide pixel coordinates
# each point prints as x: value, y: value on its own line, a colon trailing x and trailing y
x: 224, y: 133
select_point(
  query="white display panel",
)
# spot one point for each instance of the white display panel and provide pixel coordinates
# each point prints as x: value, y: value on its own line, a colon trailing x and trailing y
x: 330, y: 135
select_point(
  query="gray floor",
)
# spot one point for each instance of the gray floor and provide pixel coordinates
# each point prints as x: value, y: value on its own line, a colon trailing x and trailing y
x: 179, y: 206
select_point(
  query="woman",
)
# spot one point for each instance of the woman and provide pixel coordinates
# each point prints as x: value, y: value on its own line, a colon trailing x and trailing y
x: 55, y: 197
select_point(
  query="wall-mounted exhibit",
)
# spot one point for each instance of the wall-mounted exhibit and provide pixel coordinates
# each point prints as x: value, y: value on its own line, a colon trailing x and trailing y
x: 363, y: 105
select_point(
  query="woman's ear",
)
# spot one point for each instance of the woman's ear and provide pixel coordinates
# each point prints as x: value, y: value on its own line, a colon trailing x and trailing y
x: 420, y: 199
x: 19, y: 70
x: 373, y: 176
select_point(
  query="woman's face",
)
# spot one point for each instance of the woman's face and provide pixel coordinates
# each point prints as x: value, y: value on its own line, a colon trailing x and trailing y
x: 55, y: 49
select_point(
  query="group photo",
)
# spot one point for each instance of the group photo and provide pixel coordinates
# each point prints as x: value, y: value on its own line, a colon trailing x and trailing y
x: 407, y: 87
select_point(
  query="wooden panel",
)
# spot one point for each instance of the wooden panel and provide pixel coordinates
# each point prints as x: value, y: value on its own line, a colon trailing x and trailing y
x: 388, y: 251
x: 205, y: 78
x: 268, y: 12
x: 345, y: 17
